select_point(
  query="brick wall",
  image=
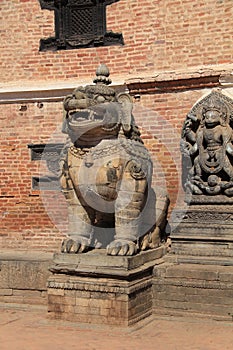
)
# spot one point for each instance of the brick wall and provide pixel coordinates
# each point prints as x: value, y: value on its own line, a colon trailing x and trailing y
x: 24, y: 221
x: 167, y: 45
x: 38, y: 220
x: 158, y: 35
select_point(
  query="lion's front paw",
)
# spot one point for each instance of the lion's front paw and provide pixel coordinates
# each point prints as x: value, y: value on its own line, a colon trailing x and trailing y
x: 122, y: 247
x: 79, y: 245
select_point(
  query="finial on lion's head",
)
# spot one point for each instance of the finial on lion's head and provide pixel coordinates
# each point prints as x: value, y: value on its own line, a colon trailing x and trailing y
x: 102, y: 75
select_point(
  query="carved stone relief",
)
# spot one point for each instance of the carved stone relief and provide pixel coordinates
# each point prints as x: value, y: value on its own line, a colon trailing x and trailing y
x: 207, y: 148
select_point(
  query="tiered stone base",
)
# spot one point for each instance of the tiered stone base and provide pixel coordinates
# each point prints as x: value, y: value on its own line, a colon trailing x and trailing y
x: 204, y: 231
x: 100, y: 289
x: 188, y: 289
x: 197, y: 278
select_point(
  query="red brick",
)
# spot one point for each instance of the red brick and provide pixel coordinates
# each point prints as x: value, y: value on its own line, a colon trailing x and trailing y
x: 159, y: 36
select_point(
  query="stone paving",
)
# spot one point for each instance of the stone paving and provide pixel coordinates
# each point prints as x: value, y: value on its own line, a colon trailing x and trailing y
x: 31, y: 329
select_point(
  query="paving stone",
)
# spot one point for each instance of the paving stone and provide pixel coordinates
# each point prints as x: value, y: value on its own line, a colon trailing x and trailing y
x: 32, y: 329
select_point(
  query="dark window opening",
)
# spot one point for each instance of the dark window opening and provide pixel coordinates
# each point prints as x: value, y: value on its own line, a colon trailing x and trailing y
x: 79, y: 24
x: 50, y: 153
x: 45, y: 183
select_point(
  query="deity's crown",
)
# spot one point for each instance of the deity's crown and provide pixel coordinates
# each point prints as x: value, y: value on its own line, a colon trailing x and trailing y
x: 216, y: 104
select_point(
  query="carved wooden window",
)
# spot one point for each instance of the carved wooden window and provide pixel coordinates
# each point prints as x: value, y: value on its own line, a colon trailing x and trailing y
x: 78, y: 24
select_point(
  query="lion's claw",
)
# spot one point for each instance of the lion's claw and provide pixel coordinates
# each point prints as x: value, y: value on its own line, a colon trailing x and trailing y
x: 122, y: 248
x: 79, y: 245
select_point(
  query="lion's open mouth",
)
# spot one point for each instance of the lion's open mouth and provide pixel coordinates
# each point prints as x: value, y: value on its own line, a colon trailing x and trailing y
x: 84, y: 115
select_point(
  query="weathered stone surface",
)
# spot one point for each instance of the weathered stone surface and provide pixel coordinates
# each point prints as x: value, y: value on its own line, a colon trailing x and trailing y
x: 207, y: 149
x: 205, y: 228
x: 106, y: 175
x: 23, y: 277
x: 102, y: 289
x: 205, y: 290
x: 97, y: 262
x: 204, y: 231
x: 136, y: 304
x: 194, y: 272
x: 6, y: 291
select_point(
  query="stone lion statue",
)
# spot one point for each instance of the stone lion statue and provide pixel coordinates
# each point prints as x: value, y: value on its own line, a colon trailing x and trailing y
x: 106, y: 174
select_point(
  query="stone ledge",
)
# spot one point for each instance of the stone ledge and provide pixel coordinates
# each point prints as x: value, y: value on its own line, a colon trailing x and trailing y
x: 225, y: 71
x: 164, y: 81
x: 100, y: 285
x: 42, y: 92
x: 23, y: 270
x: 97, y: 263
x: 24, y: 255
x: 187, y: 289
x: 196, y: 78
x: 199, y: 260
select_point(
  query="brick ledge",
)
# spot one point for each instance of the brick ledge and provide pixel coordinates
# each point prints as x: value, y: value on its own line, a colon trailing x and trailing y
x: 164, y: 81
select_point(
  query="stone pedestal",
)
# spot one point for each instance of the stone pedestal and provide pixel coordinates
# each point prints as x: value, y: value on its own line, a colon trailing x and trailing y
x: 204, y: 231
x: 197, y: 279
x: 194, y: 289
x: 100, y: 289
